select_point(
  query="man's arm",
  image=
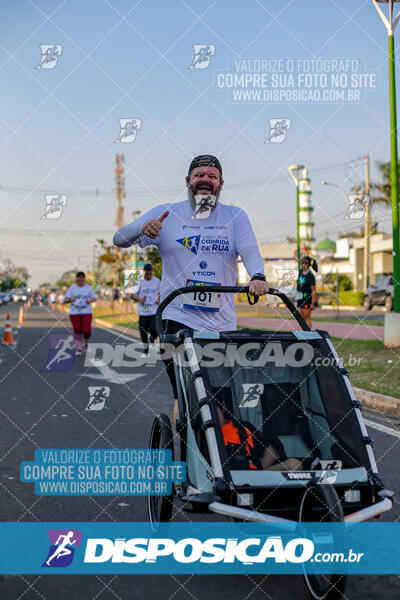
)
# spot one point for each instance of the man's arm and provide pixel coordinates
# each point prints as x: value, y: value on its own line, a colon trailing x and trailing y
x: 255, y: 267
x: 252, y: 260
x: 140, y: 299
x: 149, y: 224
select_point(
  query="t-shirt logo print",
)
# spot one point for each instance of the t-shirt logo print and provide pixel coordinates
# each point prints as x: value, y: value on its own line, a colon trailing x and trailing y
x: 190, y: 242
x: 251, y: 394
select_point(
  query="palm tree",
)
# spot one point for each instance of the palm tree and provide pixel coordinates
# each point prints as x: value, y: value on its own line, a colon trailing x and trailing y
x: 380, y: 193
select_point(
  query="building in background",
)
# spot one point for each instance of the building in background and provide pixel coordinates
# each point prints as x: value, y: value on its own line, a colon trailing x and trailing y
x: 348, y: 259
x: 325, y: 248
x: 277, y: 259
x: 346, y: 255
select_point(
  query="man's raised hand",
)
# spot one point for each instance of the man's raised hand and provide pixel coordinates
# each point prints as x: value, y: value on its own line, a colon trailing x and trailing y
x: 153, y: 227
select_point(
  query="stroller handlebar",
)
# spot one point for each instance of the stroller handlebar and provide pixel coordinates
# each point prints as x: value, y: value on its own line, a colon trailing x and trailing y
x: 225, y: 290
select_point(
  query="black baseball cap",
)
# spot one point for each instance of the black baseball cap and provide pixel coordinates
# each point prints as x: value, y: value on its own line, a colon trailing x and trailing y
x: 148, y: 267
x: 205, y: 160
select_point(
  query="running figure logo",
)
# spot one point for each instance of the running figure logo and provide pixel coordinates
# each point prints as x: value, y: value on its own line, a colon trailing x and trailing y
x: 278, y: 130
x: 50, y: 55
x: 98, y: 397
x: 204, y: 206
x: 63, y: 543
x: 61, y: 352
x: 54, y: 206
x: 191, y: 243
x: 128, y: 130
x: 287, y: 279
x: 203, y: 54
x: 251, y: 394
x: 357, y: 206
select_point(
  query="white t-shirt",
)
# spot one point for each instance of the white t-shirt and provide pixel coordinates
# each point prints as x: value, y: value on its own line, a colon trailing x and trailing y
x: 52, y: 297
x: 80, y: 306
x: 200, y: 252
x: 150, y: 290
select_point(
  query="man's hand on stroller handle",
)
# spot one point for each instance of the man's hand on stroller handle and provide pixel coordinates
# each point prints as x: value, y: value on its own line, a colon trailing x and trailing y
x: 258, y: 288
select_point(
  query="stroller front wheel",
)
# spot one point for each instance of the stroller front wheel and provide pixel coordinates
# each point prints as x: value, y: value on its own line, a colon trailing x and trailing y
x: 320, y: 503
x: 161, y: 438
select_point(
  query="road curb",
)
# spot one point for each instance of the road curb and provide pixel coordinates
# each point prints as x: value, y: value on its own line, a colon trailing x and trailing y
x: 387, y: 404
x: 120, y: 328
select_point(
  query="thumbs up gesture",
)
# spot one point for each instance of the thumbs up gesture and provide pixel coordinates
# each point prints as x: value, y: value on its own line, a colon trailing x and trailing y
x: 153, y: 227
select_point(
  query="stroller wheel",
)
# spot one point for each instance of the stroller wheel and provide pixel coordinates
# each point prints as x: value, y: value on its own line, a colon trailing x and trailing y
x: 320, y: 503
x: 161, y: 438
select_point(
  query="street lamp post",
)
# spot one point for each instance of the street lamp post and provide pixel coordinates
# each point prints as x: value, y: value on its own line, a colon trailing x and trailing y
x: 294, y: 171
x: 392, y: 325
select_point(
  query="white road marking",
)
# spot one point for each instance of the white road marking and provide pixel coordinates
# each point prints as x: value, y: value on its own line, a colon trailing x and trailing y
x: 383, y: 428
x: 130, y: 338
x: 109, y: 374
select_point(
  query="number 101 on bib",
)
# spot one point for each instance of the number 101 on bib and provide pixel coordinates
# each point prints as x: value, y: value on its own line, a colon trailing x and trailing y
x: 199, y: 300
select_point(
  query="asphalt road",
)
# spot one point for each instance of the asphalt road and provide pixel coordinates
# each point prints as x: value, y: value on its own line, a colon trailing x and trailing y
x: 47, y: 410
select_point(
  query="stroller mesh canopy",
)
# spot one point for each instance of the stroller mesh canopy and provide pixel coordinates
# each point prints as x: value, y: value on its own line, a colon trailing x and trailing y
x: 304, y: 411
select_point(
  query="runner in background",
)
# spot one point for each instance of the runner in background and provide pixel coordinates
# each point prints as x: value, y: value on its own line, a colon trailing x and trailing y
x: 306, y: 298
x: 81, y: 296
x: 148, y: 296
x: 115, y: 298
x: 60, y: 300
x: 53, y: 299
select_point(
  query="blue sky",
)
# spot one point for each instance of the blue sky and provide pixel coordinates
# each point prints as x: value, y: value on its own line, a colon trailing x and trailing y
x: 130, y: 59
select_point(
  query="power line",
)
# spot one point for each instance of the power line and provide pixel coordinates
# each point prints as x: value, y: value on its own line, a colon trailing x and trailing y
x: 176, y: 190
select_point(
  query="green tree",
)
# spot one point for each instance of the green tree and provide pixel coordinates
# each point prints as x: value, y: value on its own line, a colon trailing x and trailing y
x: 345, y: 283
x: 380, y: 192
x: 11, y: 276
x: 358, y: 234
x: 117, y: 258
x: 67, y: 278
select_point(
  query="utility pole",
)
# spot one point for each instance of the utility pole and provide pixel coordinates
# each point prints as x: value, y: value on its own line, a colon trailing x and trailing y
x: 119, y: 188
x: 367, y: 226
x: 94, y: 272
x: 120, y: 193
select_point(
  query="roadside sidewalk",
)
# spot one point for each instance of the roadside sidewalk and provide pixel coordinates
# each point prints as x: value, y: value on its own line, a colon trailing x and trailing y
x: 342, y: 330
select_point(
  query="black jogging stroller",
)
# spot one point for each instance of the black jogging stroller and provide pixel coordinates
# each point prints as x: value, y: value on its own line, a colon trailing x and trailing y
x: 265, y: 418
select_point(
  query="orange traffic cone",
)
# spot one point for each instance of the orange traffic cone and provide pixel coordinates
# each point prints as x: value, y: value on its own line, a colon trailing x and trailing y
x: 8, y: 336
x: 21, y: 314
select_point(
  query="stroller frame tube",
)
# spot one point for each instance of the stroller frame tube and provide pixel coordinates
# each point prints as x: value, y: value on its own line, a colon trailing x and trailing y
x: 205, y: 412
x: 252, y: 515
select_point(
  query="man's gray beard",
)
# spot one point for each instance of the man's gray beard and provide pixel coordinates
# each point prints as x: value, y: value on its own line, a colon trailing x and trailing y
x: 192, y: 201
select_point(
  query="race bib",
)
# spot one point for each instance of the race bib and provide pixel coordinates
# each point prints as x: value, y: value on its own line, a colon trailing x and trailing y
x: 146, y: 307
x: 199, y: 300
x: 80, y: 303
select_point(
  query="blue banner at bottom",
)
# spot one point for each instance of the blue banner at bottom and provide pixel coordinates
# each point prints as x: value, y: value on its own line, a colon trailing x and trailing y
x: 201, y: 548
